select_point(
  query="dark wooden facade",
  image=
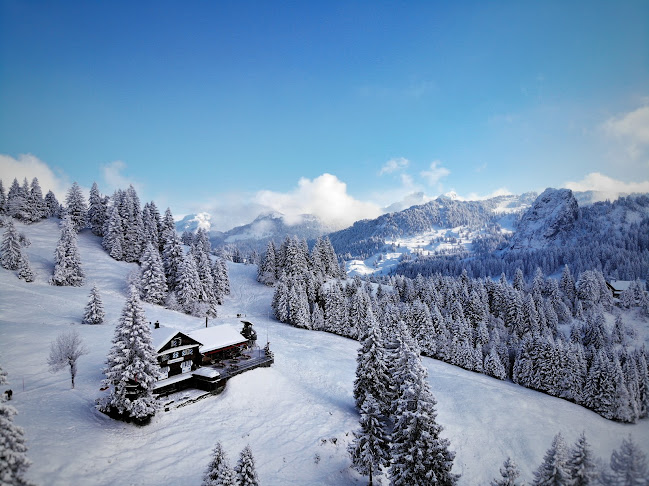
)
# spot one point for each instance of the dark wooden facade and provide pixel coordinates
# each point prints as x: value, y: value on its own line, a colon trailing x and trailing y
x: 179, y: 355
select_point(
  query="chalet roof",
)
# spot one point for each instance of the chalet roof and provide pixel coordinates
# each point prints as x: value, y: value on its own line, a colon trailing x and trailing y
x: 217, y: 337
x: 162, y: 335
x: 620, y: 285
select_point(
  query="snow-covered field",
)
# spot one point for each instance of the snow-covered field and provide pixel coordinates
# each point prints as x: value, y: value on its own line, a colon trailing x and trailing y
x: 297, y: 415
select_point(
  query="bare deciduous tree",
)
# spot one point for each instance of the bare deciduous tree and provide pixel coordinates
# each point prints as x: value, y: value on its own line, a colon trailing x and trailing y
x: 65, y: 351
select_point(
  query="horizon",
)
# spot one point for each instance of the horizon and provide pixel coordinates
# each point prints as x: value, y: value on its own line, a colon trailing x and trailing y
x: 335, y: 110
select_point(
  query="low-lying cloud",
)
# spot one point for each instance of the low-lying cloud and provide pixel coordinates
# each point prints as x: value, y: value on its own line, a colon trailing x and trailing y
x: 325, y: 197
x: 607, y: 187
x: 29, y: 166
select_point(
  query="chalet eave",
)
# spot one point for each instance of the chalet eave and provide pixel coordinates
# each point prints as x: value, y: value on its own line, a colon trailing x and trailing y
x: 178, y: 348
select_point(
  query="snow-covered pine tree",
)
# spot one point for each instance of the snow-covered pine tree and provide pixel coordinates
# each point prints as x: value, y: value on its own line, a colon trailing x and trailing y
x: 370, y: 446
x: 418, y: 454
x: 628, y: 466
x: 16, y: 201
x: 97, y: 211
x: 3, y: 200
x: 53, y: 205
x: 245, y: 469
x: 207, y: 294
x: 132, y: 366
x: 554, y: 470
x: 13, y: 457
x: 76, y: 207
x: 267, y: 267
x: 153, y: 284
x: 133, y: 226
x: 24, y: 269
x: 189, y: 286
x: 509, y: 474
x: 280, y: 302
x: 35, y: 202
x: 581, y: 464
x: 172, y: 257
x: 219, y: 472
x: 493, y: 366
x: 371, y: 367
x: 11, y: 250
x: 67, y: 262
x: 221, y: 278
x: 94, y: 311
x: 150, y: 226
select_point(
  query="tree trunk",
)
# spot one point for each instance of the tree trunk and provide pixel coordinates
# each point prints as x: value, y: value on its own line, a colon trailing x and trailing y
x: 370, y: 475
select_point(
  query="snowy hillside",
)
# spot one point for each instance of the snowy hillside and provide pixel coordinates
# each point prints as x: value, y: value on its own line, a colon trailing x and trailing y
x: 297, y: 415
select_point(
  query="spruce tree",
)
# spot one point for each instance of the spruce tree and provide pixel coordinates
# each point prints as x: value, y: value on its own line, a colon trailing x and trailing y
x: 172, y: 257
x: 219, y: 472
x: 67, y: 262
x: 53, y: 205
x: 76, y: 207
x: 11, y: 250
x: 132, y: 366
x: 581, y: 464
x: 13, y: 457
x: 3, y: 200
x: 509, y: 473
x: 35, y: 202
x: 371, y: 368
x: 554, y: 470
x: 16, y: 206
x: 189, y: 286
x: 419, y: 455
x: 369, y: 448
x: 267, y: 267
x: 24, y: 269
x: 245, y: 469
x: 97, y: 211
x: 153, y: 284
x: 628, y: 466
x: 94, y: 311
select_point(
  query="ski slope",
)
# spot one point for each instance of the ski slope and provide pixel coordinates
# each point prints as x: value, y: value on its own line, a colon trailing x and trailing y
x: 297, y: 415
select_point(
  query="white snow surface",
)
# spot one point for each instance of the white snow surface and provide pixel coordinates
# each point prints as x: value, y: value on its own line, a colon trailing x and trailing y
x: 297, y: 415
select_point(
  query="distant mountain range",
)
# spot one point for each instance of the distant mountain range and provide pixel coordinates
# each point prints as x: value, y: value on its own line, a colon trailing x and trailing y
x: 448, y: 226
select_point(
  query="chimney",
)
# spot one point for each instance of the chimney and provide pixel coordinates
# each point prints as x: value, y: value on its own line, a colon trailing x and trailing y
x: 156, y: 325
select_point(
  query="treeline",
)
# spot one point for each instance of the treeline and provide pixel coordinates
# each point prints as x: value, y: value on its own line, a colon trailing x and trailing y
x: 546, y: 334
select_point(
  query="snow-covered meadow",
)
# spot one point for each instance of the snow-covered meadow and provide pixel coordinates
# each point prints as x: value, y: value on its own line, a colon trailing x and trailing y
x: 297, y: 415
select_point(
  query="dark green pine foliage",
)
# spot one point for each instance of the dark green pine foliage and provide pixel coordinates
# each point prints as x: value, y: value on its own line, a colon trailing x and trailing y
x: 370, y: 447
x: 581, y: 464
x: 554, y: 470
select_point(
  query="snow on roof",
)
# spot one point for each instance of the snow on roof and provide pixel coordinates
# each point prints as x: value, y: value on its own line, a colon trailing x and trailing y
x: 161, y: 336
x: 217, y: 337
x: 206, y: 372
x: 620, y: 285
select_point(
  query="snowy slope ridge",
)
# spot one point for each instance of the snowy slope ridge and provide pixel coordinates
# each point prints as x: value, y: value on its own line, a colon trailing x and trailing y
x: 297, y: 415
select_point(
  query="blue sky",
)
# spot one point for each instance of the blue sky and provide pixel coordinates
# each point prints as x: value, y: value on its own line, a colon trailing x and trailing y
x: 337, y: 108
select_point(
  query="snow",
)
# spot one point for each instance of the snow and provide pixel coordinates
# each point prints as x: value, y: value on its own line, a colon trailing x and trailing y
x: 297, y: 415
x: 217, y: 337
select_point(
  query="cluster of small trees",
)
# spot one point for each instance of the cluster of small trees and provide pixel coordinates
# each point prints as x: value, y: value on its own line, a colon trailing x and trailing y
x: 192, y: 282
x: 578, y: 466
x: 26, y: 202
x: 398, y: 430
x: 220, y: 473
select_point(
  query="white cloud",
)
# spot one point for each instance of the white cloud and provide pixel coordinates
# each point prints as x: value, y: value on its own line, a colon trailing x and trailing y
x: 473, y: 196
x: 29, y: 166
x: 436, y: 173
x: 608, y: 187
x: 114, y: 179
x: 394, y: 165
x: 632, y: 129
x: 325, y: 197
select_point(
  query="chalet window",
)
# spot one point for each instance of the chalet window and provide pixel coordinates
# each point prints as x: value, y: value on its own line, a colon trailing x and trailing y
x: 176, y: 342
x: 164, y: 373
x: 187, y: 352
x: 186, y: 366
x: 175, y: 355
